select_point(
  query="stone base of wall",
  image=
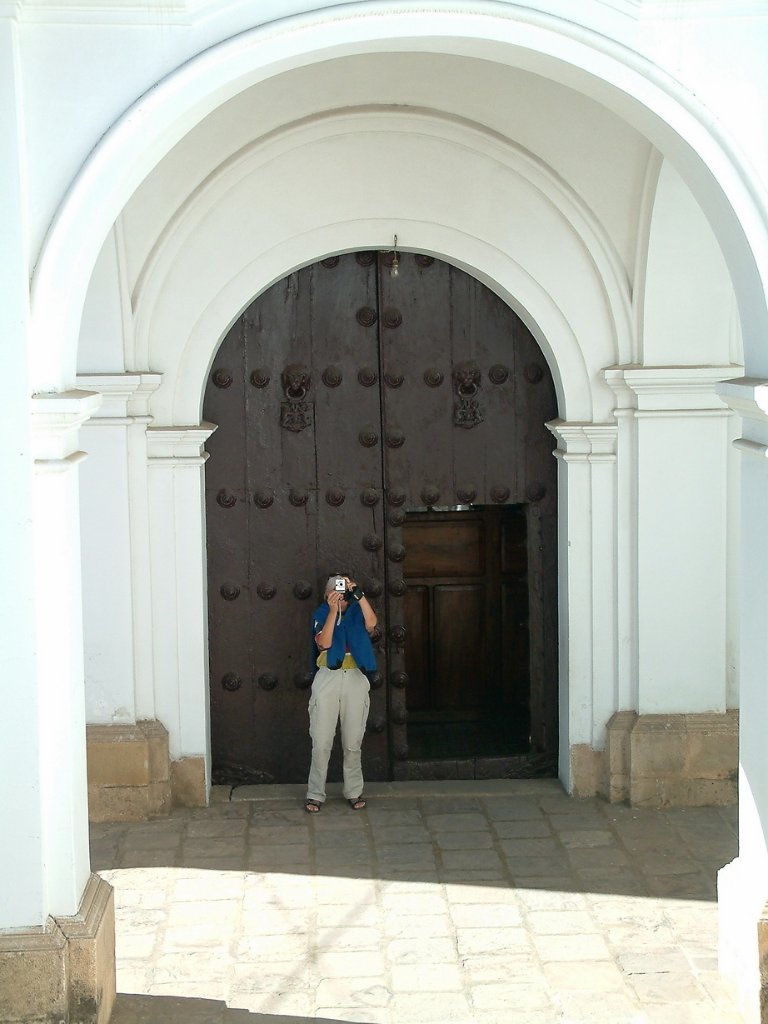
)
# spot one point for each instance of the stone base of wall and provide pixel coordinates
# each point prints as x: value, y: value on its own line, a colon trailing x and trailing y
x: 63, y: 973
x: 762, y: 955
x: 132, y: 778
x: 662, y: 761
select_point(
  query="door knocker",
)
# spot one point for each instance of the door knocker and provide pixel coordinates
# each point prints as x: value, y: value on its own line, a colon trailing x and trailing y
x: 466, y: 384
x: 295, y: 411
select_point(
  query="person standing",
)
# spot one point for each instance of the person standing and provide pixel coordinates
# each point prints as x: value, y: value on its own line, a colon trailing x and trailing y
x: 343, y: 654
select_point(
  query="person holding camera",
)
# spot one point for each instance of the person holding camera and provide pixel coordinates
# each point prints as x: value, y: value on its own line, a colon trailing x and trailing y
x: 343, y: 654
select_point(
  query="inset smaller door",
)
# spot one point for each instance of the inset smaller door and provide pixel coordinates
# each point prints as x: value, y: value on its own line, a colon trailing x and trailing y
x: 468, y: 657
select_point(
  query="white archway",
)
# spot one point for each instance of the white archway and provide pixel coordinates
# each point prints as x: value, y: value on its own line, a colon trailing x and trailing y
x: 641, y: 94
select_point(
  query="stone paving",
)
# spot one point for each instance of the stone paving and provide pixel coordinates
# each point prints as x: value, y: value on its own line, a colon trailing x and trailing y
x: 458, y: 903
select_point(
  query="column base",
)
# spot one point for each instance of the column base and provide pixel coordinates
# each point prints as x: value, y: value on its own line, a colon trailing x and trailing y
x: 132, y: 778
x: 662, y: 761
x: 743, y: 937
x: 64, y: 972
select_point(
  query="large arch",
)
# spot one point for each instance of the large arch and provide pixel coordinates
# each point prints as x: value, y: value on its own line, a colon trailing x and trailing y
x: 584, y: 61
x: 184, y: 303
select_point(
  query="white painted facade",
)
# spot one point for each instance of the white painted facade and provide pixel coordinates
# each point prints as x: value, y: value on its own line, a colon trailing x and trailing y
x: 601, y: 165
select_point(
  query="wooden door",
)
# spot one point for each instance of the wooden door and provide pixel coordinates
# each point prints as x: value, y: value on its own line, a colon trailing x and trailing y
x: 349, y: 402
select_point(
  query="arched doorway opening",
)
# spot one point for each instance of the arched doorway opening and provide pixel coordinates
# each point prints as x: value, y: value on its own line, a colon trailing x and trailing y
x: 384, y: 415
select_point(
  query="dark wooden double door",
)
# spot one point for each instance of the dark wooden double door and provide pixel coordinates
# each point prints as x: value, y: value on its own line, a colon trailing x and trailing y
x: 386, y: 422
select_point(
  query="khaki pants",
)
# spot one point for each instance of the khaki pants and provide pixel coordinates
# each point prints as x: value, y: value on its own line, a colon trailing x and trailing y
x: 337, y: 695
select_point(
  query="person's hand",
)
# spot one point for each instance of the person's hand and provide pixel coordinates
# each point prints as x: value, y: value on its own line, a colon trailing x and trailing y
x: 334, y: 599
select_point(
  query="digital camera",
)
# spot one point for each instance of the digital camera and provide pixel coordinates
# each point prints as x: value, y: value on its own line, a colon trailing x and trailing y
x: 340, y: 584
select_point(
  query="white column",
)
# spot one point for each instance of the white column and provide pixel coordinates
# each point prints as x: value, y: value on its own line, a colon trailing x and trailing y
x: 743, y: 884
x: 114, y: 518
x: 56, y: 420
x: 22, y: 867
x: 680, y: 436
x: 587, y: 583
x: 179, y: 586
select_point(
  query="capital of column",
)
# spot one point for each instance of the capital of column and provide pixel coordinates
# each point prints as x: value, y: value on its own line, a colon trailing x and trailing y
x: 55, y: 424
x: 748, y: 397
x: 177, y: 446
x: 584, y: 442
x: 669, y: 390
x: 125, y: 396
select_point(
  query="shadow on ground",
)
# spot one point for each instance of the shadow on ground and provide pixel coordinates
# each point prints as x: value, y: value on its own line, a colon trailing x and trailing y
x: 133, y: 1009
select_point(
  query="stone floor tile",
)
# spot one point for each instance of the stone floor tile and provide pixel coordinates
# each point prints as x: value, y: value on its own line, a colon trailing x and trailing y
x: 346, y: 964
x: 424, y: 1008
x: 373, y: 991
x: 271, y: 977
x: 332, y: 1014
x: 442, y: 822
x: 344, y: 915
x: 610, y: 1007
x: 571, y: 947
x: 561, y: 883
x: 421, y: 926
x: 585, y: 975
x: 287, y: 1004
x: 484, y: 892
x: 353, y: 891
x: 534, y: 866
x: 513, y: 809
x: 491, y: 940
x: 587, y: 838
x: 217, y: 827
x: 471, y: 860
x: 577, y: 821
x: 452, y: 805
x: 666, y: 988
x: 521, y: 1016
x: 470, y: 876
x: 482, y: 915
x: 396, y: 834
x: 439, y: 978
x: 561, y: 922
x: 531, y: 994
x: 278, y: 834
x: 551, y: 899
x: 422, y: 950
x: 464, y: 840
x: 275, y: 948
x: 348, y: 937
x: 530, y: 828
x: 410, y: 904
x: 508, y: 966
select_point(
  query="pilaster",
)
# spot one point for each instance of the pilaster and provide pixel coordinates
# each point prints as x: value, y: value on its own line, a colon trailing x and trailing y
x: 586, y: 454
x: 677, y: 428
x: 179, y: 587
x: 56, y: 422
x: 743, y: 884
x: 115, y: 523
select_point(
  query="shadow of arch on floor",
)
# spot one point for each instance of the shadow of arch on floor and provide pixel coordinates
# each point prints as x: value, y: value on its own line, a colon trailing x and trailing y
x: 139, y: 1009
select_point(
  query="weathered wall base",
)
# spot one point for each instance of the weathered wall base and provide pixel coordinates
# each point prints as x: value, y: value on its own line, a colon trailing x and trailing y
x: 132, y: 778
x: 762, y: 953
x: 662, y: 761
x: 63, y: 973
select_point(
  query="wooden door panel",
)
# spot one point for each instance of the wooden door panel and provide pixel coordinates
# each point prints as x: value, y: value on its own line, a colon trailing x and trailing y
x: 456, y: 549
x: 417, y: 661
x: 460, y: 683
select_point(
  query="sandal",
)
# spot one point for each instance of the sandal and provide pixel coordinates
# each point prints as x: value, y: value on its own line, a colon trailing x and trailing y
x: 312, y: 806
x: 357, y: 804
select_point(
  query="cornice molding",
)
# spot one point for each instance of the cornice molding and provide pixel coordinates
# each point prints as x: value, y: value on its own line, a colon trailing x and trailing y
x: 55, y: 424
x: 173, y: 446
x: 668, y: 388
x: 748, y: 396
x: 125, y: 396
x: 587, y: 442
